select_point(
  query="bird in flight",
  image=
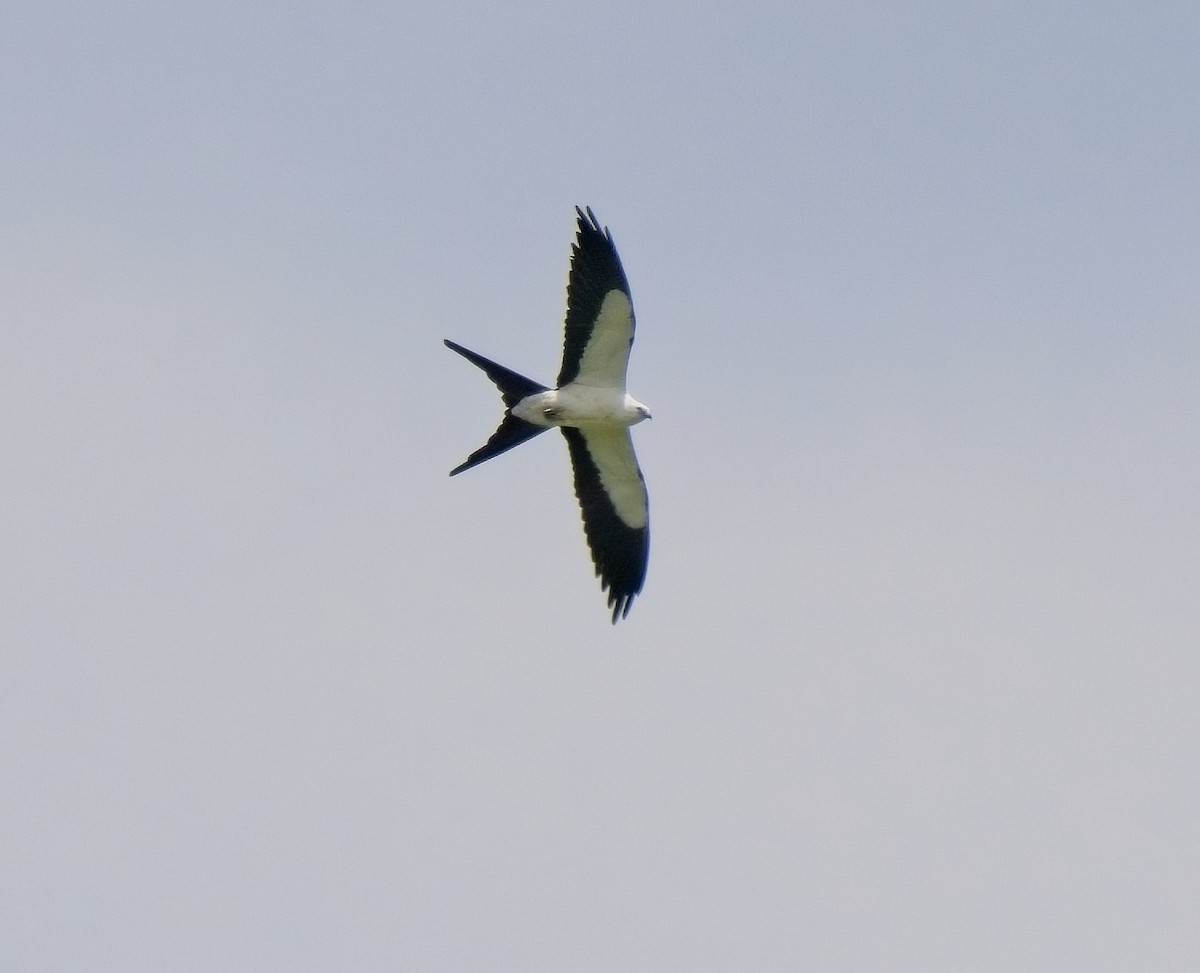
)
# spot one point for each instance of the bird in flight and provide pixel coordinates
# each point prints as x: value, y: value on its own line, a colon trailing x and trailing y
x: 593, y: 410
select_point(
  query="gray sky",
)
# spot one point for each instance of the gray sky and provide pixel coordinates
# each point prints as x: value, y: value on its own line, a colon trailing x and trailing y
x: 913, y: 682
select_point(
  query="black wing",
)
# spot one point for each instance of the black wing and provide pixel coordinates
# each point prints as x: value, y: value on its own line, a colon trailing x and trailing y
x: 600, y: 319
x: 615, y: 507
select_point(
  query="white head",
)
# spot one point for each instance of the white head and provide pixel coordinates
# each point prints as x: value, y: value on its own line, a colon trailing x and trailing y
x: 635, y: 410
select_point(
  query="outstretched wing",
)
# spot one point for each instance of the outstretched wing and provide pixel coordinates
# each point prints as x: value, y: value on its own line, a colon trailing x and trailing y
x: 600, y: 319
x: 616, y: 510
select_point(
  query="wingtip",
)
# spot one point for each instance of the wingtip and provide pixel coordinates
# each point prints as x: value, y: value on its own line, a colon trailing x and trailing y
x: 620, y: 604
x: 587, y: 220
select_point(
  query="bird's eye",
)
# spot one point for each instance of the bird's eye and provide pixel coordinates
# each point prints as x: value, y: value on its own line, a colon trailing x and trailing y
x: 549, y: 412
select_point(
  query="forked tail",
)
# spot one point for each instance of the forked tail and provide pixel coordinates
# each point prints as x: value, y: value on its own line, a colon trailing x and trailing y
x: 513, y: 388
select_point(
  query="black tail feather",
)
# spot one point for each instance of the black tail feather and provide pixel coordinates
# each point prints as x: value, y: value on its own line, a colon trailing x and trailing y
x: 513, y: 387
x: 511, y: 432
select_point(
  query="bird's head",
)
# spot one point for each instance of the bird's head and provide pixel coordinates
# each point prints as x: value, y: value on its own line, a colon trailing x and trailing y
x: 636, y: 410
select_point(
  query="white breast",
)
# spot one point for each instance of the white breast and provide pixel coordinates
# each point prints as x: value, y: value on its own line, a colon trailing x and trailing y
x: 580, y: 405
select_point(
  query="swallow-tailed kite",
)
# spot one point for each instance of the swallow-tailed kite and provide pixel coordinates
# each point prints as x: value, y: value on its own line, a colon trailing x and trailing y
x: 593, y: 410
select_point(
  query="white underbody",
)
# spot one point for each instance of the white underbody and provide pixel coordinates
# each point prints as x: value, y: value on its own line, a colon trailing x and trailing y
x: 581, y: 406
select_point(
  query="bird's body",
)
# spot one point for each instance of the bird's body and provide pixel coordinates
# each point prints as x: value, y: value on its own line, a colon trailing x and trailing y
x: 581, y: 406
x: 594, y: 411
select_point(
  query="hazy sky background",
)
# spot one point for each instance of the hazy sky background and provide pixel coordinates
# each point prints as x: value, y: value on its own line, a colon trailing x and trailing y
x: 914, y: 680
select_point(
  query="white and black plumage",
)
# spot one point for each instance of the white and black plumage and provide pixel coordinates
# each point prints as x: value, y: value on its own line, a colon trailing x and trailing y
x: 593, y: 410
